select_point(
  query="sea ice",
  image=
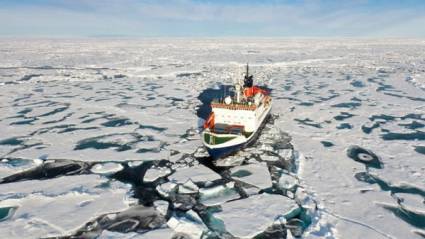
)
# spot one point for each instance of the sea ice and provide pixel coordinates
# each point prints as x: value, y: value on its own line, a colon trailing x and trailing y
x: 198, y: 174
x: 188, y: 187
x: 246, y: 218
x: 253, y: 174
x: 154, y: 173
x: 233, y: 160
x: 218, y: 194
x: 161, y: 233
x: 189, y: 223
x: 287, y: 181
x: 99, y: 101
x: 412, y: 202
x: 161, y: 206
x: 58, y: 207
x: 166, y: 189
x: 106, y: 168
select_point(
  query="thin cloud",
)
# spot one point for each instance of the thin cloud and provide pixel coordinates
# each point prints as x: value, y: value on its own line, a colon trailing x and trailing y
x: 211, y: 18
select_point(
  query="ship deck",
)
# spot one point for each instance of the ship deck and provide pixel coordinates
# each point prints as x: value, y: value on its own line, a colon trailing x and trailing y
x: 220, y: 134
x: 234, y: 106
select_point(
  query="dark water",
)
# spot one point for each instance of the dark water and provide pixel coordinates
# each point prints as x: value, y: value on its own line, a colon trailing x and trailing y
x: 364, y: 156
x: 350, y: 105
x: 420, y: 149
x: 370, y: 159
x: 309, y: 122
x: 343, y: 116
x: 412, y: 123
x: 344, y: 126
x: 327, y: 143
x: 413, y: 218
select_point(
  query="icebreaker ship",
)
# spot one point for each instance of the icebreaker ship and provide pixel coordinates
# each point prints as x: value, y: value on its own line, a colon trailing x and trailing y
x: 235, y: 121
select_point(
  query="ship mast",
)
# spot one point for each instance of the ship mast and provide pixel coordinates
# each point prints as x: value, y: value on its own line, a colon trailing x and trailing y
x: 248, y: 81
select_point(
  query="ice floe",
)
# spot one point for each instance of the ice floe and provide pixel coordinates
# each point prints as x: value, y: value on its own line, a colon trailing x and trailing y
x: 219, y: 194
x: 249, y: 217
x: 59, y: 207
x: 197, y: 174
x: 78, y: 116
x: 256, y: 175
x: 188, y: 223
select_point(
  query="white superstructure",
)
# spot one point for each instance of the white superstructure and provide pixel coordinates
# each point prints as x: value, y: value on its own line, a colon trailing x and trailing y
x: 234, y: 121
x: 249, y: 117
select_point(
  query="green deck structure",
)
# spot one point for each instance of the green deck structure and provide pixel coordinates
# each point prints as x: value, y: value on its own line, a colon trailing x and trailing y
x: 212, y: 139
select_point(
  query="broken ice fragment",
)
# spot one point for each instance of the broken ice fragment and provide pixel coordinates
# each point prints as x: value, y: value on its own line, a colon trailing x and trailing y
x: 161, y: 233
x: 161, y: 206
x: 253, y: 174
x: 287, y: 154
x: 50, y: 169
x: 218, y: 194
x: 305, y: 200
x: 183, y: 201
x: 246, y: 218
x: 287, y: 182
x: 269, y: 157
x: 276, y: 231
x: 77, y: 184
x: 62, y: 204
x: 188, y: 188
x: 200, y: 153
x: 296, y: 227
x: 153, y: 174
x: 189, y: 223
x: 198, y: 174
x: 106, y: 168
x: 166, y: 189
x: 133, y: 219
x: 232, y: 160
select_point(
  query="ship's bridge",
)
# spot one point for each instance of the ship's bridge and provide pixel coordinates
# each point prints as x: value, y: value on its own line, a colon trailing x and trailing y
x: 243, y: 114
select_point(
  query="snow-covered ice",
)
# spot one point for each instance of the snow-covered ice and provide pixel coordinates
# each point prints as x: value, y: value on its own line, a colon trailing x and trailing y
x: 256, y: 175
x: 155, y: 173
x: 106, y: 168
x: 218, y: 194
x: 189, y: 223
x: 249, y: 217
x: 197, y: 174
x: 60, y: 206
x: 162, y: 233
x: 95, y: 128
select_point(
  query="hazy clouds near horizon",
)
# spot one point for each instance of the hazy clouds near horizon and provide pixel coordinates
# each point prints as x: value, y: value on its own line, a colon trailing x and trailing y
x: 291, y: 18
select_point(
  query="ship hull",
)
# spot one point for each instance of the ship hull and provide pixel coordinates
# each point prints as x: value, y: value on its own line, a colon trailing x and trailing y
x: 221, y: 152
x: 217, y: 153
x: 221, y: 143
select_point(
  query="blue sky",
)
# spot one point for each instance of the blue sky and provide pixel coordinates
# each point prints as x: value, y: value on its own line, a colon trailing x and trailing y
x: 220, y: 18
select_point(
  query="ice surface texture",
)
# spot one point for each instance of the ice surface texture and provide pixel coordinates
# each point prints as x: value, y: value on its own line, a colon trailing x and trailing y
x: 96, y: 134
